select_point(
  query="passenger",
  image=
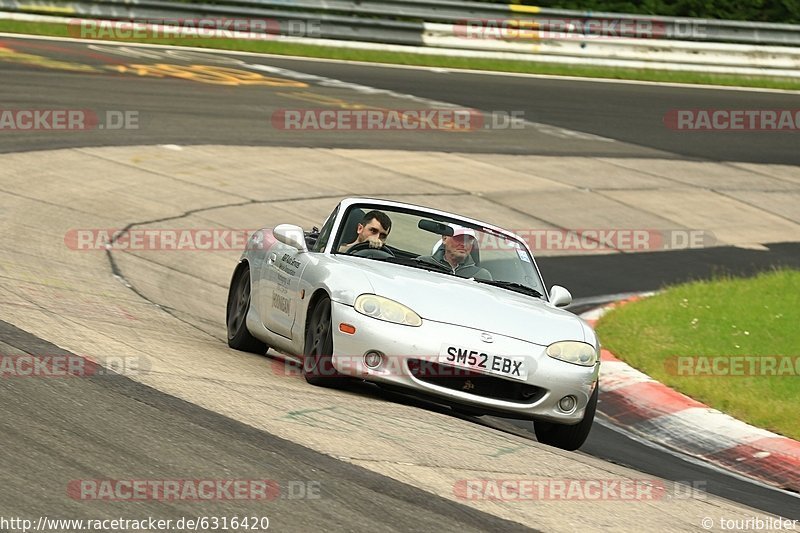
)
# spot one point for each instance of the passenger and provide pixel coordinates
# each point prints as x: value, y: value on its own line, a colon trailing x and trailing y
x: 456, y: 253
x: 374, y: 228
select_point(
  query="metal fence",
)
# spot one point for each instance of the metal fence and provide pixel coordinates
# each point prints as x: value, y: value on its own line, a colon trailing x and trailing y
x: 515, y: 31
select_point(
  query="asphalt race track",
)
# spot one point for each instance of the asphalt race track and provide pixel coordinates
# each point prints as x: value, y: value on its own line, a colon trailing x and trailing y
x: 630, y: 113
x: 201, y: 442
x: 204, y: 154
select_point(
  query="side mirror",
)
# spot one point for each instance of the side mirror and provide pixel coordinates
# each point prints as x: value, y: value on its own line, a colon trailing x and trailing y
x: 559, y: 296
x: 291, y: 235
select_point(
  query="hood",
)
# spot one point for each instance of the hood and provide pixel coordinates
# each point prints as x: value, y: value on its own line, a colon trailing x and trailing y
x: 463, y: 302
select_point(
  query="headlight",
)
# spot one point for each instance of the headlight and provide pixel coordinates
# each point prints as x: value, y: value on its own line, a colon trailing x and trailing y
x: 386, y: 309
x: 575, y: 352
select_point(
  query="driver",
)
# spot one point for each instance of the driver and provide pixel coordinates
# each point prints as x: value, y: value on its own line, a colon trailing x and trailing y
x: 456, y: 253
x: 374, y: 228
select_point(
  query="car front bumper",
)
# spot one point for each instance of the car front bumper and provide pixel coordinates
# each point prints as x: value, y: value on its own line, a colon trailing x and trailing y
x: 402, y: 347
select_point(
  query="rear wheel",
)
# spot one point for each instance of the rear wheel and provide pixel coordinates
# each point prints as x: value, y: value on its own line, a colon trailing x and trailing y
x: 236, y: 317
x: 318, y: 348
x: 568, y: 437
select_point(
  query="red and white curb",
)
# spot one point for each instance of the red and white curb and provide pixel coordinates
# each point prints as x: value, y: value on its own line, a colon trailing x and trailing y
x: 657, y: 413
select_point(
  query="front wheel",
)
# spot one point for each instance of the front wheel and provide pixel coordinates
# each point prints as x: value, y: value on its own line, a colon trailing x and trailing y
x: 239, y: 337
x: 564, y: 436
x: 318, y: 349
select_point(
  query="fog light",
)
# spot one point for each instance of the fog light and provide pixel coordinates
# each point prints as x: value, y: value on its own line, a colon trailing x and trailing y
x: 567, y: 403
x: 373, y: 359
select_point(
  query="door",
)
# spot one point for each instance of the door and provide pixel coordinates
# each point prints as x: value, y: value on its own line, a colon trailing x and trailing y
x: 283, y: 268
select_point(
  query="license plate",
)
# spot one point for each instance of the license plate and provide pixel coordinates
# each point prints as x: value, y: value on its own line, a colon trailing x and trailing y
x: 480, y: 361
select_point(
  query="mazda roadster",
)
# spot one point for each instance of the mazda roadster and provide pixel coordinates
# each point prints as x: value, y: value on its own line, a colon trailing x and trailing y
x: 424, y: 302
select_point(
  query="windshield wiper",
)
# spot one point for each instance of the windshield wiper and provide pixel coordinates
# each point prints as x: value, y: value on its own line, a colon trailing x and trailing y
x: 418, y: 263
x: 512, y: 286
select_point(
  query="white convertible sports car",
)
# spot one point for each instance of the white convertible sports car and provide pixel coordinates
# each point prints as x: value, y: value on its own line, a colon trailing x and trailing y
x: 425, y: 302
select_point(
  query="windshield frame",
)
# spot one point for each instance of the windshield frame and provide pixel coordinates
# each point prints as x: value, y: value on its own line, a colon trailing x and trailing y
x: 367, y: 204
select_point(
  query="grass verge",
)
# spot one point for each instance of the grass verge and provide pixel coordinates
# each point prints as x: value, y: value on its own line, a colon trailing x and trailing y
x: 723, y: 317
x: 398, y: 58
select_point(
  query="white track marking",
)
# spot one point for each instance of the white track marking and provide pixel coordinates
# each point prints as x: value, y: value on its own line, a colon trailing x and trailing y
x: 412, y: 67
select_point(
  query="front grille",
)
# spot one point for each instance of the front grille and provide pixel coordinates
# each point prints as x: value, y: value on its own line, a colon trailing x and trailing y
x: 472, y: 382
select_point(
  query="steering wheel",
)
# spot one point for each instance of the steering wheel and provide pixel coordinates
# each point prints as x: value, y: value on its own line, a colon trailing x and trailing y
x: 363, y: 249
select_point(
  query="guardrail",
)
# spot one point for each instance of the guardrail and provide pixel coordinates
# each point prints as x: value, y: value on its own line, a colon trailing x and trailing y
x: 474, y: 29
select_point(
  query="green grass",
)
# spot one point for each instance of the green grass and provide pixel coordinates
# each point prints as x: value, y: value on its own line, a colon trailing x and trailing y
x: 721, y: 317
x: 282, y: 48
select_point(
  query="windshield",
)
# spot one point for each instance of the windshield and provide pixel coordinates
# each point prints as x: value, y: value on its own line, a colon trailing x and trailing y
x: 444, y: 245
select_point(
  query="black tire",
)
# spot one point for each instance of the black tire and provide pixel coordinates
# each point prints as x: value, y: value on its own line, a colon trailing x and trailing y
x: 318, y: 347
x: 568, y: 437
x: 239, y: 337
